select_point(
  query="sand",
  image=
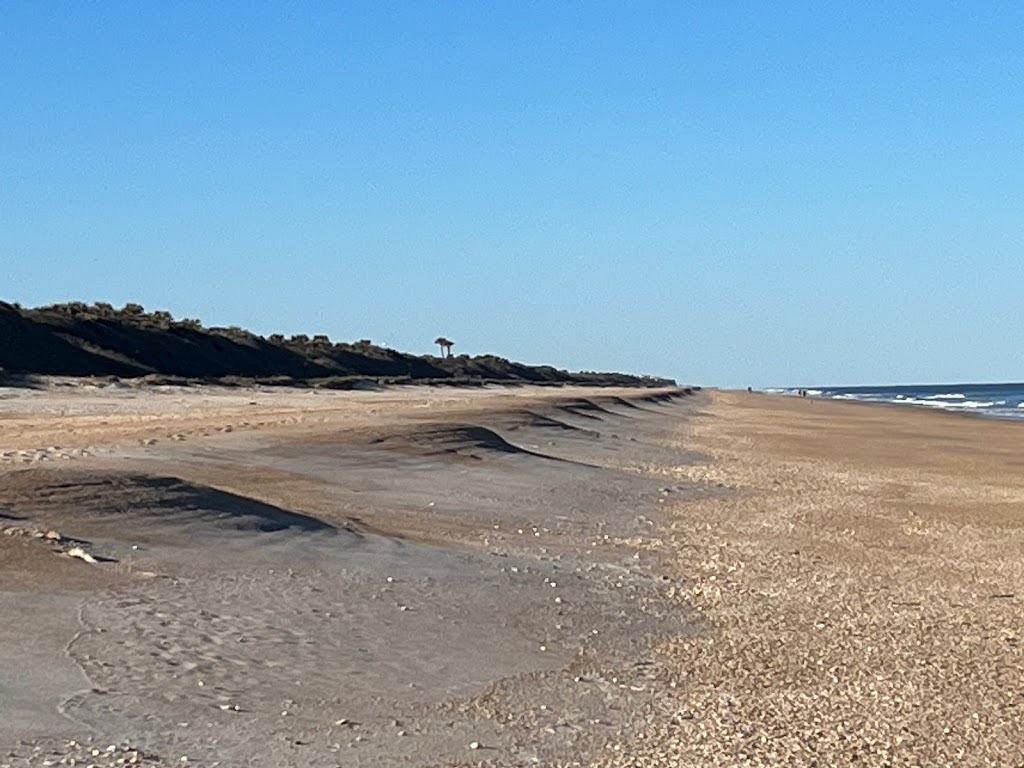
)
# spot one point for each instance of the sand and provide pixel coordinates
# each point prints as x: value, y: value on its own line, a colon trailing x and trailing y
x: 861, y: 590
x: 505, y: 577
x: 404, y: 577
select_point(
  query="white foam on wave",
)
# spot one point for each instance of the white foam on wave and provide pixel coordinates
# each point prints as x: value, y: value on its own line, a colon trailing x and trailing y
x: 1012, y: 414
x: 946, y: 405
x: 1001, y: 405
x: 921, y: 402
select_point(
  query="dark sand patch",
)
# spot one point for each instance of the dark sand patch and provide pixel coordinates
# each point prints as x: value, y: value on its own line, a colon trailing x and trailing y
x: 531, y: 419
x: 623, y: 402
x: 86, y: 499
x: 457, y: 440
x: 583, y: 408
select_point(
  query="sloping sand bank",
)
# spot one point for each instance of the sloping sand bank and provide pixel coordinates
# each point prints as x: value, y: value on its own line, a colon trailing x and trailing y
x: 253, y: 578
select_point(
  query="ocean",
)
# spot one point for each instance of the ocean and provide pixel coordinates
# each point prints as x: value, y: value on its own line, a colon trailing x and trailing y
x: 999, y: 401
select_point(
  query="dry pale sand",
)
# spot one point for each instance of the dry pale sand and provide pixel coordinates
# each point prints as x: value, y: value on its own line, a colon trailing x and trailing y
x: 505, y: 578
x: 404, y: 577
x: 861, y: 589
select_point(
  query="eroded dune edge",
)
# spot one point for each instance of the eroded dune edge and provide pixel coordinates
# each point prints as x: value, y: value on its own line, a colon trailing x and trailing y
x: 364, y: 578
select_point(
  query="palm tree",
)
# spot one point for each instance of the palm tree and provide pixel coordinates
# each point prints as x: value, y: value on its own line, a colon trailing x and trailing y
x: 445, y: 345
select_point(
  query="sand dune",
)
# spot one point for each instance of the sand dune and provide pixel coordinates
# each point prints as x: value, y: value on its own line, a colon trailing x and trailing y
x: 583, y: 408
x: 529, y: 419
x: 369, y: 579
x: 124, y: 500
x: 467, y: 441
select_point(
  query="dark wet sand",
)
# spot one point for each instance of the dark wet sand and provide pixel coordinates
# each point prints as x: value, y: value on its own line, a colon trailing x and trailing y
x: 415, y: 579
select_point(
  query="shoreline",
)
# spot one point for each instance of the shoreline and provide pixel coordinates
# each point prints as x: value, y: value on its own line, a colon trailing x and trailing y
x: 969, y: 412
x: 963, y: 413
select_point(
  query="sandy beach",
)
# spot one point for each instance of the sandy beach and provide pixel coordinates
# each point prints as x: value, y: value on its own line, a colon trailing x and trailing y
x: 861, y: 589
x: 504, y: 576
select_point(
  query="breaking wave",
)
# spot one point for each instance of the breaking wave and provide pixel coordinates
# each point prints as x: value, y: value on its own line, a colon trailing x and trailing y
x: 1003, y: 401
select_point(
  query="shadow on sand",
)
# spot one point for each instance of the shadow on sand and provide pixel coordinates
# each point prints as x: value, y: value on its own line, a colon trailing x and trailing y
x: 104, y: 496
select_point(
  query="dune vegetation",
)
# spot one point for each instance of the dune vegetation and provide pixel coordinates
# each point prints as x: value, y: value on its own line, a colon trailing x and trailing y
x: 99, y: 340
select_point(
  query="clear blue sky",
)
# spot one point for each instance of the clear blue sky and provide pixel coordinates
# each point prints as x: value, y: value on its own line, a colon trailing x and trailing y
x: 728, y: 193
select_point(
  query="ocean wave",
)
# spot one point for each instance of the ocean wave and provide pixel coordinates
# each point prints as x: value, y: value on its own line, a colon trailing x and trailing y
x: 922, y: 402
x: 1012, y: 414
x: 1001, y: 401
x: 946, y: 405
x: 794, y: 392
x: 862, y: 398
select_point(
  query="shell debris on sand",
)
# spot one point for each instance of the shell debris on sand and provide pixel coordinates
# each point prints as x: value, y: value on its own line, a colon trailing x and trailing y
x: 81, y: 554
x: 60, y: 544
x: 80, y: 753
x: 836, y: 635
